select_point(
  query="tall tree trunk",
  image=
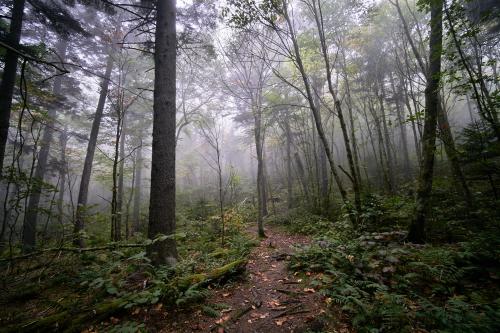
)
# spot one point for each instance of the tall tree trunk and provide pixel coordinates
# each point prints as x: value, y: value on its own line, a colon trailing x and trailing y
x: 416, y: 232
x: 9, y: 75
x: 288, y: 136
x: 387, y: 137
x: 318, y: 16
x: 261, y: 182
x: 322, y: 173
x: 137, y: 189
x: 312, y: 106
x: 63, y: 141
x: 31, y: 216
x: 117, y: 175
x: 351, y: 120
x: 162, y: 195
x: 402, y: 128
x: 89, y: 157
x: 120, y: 178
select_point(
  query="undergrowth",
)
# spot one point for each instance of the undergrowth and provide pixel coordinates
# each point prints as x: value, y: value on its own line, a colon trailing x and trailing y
x: 64, y: 283
x: 384, y: 284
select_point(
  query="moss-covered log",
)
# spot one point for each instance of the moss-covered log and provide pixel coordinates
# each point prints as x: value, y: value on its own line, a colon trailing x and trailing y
x: 76, y: 320
x: 220, y: 273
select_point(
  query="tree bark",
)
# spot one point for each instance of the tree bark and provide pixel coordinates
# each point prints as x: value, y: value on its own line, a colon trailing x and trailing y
x: 89, y: 157
x: 416, y: 232
x: 162, y: 195
x: 9, y: 76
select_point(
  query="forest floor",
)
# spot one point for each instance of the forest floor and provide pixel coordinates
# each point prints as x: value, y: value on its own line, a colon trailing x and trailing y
x: 268, y: 298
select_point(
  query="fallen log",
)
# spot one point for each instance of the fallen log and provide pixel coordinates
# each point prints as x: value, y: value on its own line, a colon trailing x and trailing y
x: 221, y: 273
x: 75, y: 320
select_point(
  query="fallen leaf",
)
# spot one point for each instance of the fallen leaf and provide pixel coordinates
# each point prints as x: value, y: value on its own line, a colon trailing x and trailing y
x: 309, y: 290
x: 265, y: 315
x: 226, y: 294
x: 222, y: 319
x: 280, y: 322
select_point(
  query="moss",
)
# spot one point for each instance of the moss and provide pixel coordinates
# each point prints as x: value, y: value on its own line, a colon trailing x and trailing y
x: 216, y: 274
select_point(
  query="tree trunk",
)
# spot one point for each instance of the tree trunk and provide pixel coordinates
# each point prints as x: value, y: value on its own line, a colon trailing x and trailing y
x: 9, y: 76
x: 31, y: 216
x: 137, y: 189
x: 451, y: 152
x: 89, y: 157
x: 162, y: 195
x: 302, y: 176
x: 312, y: 106
x: 261, y: 183
x: 402, y: 128
x: 416, y: 232
x: 288, y: 135
x: 387, y: 137
x: 63, y: 141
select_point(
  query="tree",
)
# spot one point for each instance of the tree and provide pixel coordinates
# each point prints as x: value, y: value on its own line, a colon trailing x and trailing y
x: 9, y: 75
x: 89, y: 157
x: 416, y: 232
x: 162, y: 195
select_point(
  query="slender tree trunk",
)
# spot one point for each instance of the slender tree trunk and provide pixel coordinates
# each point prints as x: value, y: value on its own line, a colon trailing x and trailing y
x: 288, y: 136
x: 451, y: 152
x: 387, y: 137
x: 324, y: 50
x: 137, y: 189
x: 302, y: 175
x: 9, y: 75
x: 351, y: 121
x: 261, y: 183
x: 162, y: 195
x: 402, y: 128
x: 117, y: 175
x: 312, y: 106
x: 63, y: 141
x: 416, y: 232
x: 89, y: 157
x: 31, y: 216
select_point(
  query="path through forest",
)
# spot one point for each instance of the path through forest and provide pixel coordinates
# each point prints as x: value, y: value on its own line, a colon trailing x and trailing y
x: 268, y: 299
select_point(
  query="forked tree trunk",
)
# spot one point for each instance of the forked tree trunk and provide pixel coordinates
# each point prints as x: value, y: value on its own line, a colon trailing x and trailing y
x: 416, y: 232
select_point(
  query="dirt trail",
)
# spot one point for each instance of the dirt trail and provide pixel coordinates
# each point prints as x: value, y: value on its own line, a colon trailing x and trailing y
x: 269, y: 299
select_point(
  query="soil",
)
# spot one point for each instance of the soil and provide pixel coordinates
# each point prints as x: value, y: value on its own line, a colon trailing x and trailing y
x: 268, y: 298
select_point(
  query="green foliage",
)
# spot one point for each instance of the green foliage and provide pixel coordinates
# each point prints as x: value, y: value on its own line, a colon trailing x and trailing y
x: 389, y: 286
